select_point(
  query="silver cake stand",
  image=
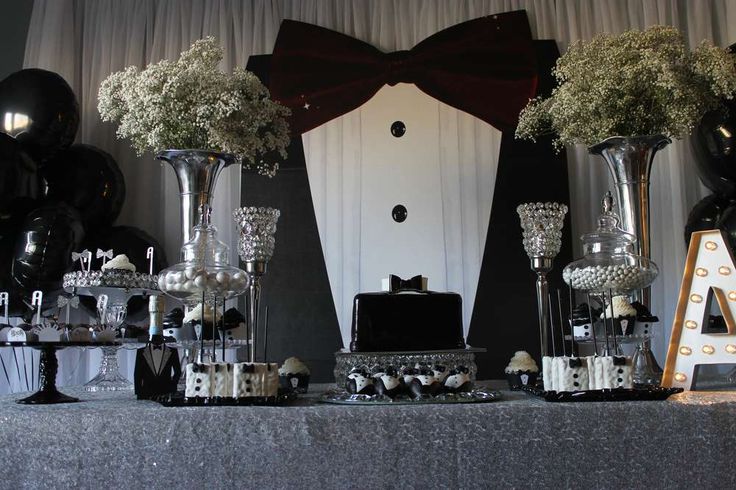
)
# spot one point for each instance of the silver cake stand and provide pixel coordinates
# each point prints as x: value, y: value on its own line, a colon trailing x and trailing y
x: 108, y: 377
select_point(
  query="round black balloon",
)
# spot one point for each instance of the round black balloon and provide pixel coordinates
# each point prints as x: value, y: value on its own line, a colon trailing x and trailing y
x: 19, y: 178
x: 134, y: 243
x: 88, y: 179
x: 714, y: 145
x: 727, y: 223
x: 705, y: 215
x: 43, y: 250
x: 39, y: 110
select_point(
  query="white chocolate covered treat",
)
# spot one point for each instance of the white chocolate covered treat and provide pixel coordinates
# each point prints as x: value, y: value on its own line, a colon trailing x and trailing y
x: 199, y: 380
x: 572, y: 374
x: 549, y: 376
x: 119, y: 263
x: 521, y: 361
x: 222, y: 379
x: 616, y: 372
x: 360, y: 384
x: 255, y: 379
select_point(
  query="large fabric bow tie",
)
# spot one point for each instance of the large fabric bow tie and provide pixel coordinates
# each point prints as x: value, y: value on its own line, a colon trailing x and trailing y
x: 485, y: 67
x: 399, y: 284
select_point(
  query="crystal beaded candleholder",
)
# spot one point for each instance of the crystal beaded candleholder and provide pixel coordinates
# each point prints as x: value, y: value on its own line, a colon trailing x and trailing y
x: 257, y: 226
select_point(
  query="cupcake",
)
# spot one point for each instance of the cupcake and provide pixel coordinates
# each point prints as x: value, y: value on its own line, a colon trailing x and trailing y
x: 582, y: 322
x: 80, y: 333
x: 644, y: 319
x: 622, y: 314
x: 293, y: 376
x: 193, y: 319
x: 388, y: 383
x: 233, y: 325
x: 119, y: 263
x: 521, y: 371
x: 458, y: 380
x: 173, y: 326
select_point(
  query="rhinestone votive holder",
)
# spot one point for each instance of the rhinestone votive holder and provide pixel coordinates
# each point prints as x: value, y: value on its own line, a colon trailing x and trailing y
x: 257, y: 227
x: 542, y: 227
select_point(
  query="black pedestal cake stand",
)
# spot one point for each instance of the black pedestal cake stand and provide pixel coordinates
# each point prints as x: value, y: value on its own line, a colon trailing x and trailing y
x: 48, y: 366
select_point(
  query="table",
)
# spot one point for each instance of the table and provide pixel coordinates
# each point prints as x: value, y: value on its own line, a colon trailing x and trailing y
x: 113, y: 441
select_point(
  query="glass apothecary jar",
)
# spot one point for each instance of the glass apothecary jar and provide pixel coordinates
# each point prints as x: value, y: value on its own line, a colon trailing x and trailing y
x: 205, y: 271
x: 609, y: 262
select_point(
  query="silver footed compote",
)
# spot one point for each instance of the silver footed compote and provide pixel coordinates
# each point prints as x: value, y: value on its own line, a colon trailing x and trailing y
x: 542, y: 232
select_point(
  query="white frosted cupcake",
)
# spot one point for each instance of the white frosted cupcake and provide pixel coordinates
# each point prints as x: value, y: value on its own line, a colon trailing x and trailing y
x: 521, y: 370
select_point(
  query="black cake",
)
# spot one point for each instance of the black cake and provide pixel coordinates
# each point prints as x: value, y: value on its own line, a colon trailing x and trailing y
x: 407, y: 322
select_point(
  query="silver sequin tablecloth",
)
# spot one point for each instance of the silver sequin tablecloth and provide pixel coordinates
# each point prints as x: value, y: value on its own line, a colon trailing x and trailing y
x: 115, y: 441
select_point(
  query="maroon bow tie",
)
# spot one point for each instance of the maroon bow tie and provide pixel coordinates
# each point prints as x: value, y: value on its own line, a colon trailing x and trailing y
x: 485, y: 67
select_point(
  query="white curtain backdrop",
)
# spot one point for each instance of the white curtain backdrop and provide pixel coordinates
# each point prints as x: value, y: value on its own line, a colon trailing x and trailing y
x: 86, y: 40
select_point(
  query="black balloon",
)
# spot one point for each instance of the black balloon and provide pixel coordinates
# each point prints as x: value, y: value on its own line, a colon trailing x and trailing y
x: 88, y: 179
x: 19, y: 177
x: 714, y: 144
x: 134, y: 243
x: 43, y: 250
x: 727, y: 223
x: 705, y: 215
x: 39, y: 110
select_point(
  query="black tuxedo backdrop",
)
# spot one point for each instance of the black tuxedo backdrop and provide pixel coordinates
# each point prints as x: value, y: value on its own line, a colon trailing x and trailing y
x: 302, y: 318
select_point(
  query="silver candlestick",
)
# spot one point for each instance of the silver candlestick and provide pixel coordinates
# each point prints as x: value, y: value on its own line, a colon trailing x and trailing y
x: 257, y: 228
x: 542, y: 231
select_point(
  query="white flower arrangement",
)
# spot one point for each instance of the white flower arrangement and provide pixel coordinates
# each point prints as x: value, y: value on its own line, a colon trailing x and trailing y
x: 634, y: 84
x: 191, y: 104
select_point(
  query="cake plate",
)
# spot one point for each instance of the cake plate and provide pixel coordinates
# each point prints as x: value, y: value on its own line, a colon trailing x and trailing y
x: 48, y: 366
x: 108, y: 377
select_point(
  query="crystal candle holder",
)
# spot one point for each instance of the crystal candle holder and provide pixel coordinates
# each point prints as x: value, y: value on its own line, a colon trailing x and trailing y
x: 541, y: 224
x: 257, y: 227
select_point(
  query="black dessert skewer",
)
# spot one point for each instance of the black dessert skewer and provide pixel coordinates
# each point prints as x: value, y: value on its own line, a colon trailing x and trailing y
x: 592, y: 325
x: 265, y: 337
x: 562, y: 325
x: 552, y: 326
x: 613, y: 325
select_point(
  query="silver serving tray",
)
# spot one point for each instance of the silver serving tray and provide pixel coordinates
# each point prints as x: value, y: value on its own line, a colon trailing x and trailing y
x: 479, y: 394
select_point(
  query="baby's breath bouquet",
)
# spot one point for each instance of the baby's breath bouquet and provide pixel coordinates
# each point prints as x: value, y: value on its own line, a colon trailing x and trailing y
x: 190, y: 104
x: 634, y: 84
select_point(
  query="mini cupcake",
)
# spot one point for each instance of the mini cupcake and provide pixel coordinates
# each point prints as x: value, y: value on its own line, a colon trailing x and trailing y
x: 193, y: 319
x: 293, y: 376
x: 233, y: 325
x: 359, y: 383
x: 582, y: 322
x: 622, y: 314
x: 644, y: 319
x: 458, y: 380
x: 521, y: 371
x: 173, y: 326
x: 388, y: 382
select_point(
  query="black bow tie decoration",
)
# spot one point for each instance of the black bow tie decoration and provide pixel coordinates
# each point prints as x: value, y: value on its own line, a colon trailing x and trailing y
x: 399, y: 284
x: 485, y: 67
x: 157, y: 347
x: 576, y: 362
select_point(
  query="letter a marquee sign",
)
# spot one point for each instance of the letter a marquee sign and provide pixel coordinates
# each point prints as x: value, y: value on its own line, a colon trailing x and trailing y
x: 710, y: 275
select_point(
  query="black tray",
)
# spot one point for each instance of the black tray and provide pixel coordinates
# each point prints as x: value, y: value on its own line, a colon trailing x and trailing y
x: 179, y: 400
x: 654, y: 393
